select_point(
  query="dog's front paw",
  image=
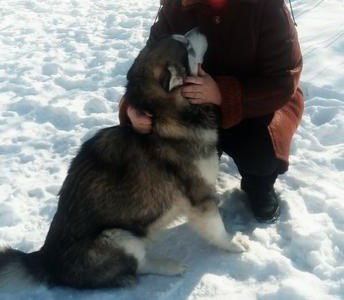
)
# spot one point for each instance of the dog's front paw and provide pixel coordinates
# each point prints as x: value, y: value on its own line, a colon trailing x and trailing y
x: 238, y: 244
x: 174, y: 268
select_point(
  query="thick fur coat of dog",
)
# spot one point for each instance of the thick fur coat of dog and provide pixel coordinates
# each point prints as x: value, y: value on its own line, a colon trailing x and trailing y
x: 123, y: 187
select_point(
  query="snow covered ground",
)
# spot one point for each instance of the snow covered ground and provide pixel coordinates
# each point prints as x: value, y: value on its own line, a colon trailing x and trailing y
x: 62, y: 72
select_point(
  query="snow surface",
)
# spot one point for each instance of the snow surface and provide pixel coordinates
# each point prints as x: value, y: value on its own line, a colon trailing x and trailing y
x: 62, y: 71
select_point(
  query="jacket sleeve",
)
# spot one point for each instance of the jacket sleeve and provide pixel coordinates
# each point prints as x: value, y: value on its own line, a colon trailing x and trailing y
x: 279, y: 65
x: 122, y: 111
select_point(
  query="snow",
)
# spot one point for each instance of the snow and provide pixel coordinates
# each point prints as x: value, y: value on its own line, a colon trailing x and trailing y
x: 62, y: 72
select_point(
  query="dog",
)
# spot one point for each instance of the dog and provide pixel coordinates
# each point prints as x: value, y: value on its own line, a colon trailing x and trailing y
x: 123, y: 187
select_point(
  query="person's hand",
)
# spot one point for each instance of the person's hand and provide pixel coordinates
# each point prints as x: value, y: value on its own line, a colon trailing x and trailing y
x: 201, y: 89
x: 141, y: 121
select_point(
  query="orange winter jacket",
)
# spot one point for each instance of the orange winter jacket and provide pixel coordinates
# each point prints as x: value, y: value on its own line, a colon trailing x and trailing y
x: 253, y: 54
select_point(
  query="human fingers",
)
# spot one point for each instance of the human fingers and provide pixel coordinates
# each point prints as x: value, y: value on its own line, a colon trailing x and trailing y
x: 192, y: 95
x: 193, y: 88
x: 192, y: 91
x: 193, y: 80
x: 201, y: 79
x: 206, y: 93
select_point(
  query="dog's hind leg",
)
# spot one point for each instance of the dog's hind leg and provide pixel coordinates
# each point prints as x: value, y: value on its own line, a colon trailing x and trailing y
x: 205, y: 218
x: 136, y: 246
x: 98, y: 263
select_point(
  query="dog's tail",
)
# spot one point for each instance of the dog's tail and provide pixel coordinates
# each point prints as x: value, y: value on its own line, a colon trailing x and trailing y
x: 19, y: 269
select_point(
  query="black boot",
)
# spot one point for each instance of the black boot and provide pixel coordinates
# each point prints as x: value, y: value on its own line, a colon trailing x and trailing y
x: 265, y: 203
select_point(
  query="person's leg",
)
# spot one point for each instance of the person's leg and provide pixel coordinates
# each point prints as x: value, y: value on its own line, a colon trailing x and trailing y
x: 250, y: 146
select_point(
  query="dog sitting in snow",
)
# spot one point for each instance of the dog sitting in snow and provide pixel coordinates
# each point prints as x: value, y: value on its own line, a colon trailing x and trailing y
x: 123, y: 187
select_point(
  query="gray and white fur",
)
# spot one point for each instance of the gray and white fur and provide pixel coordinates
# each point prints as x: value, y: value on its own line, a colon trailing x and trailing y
x: 196, y: 44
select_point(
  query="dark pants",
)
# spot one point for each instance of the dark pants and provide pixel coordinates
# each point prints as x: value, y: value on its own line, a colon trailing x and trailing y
x: 250, y: 146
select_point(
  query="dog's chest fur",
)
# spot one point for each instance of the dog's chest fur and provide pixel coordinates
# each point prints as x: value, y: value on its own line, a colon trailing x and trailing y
x: 208, y: 168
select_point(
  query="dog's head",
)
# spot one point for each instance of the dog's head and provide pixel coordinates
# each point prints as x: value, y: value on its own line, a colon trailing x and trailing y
x: 161, y: 66
x: 155, y: 78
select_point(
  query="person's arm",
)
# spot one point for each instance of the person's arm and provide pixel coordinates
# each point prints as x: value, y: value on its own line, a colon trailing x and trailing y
x: 141, y: 121
x: 279, y: 64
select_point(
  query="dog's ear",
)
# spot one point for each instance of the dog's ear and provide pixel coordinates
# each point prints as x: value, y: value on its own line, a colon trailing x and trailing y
x: 180, y: 38
x: 176, y: 75
x: 171, y: 76
x: 196, y: 46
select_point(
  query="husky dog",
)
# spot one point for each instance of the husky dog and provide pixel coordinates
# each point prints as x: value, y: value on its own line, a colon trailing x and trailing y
x: 123, y: 187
